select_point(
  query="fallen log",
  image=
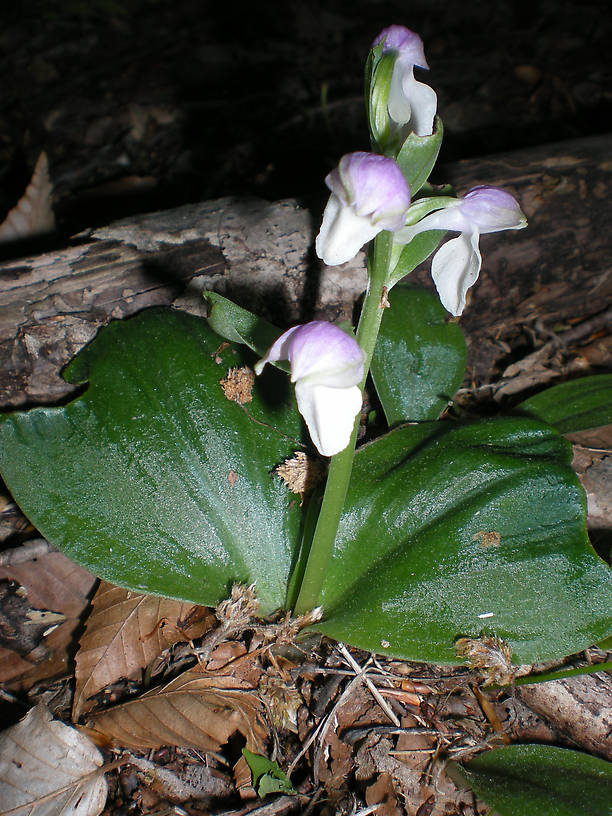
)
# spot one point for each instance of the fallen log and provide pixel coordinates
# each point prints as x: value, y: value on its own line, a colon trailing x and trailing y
x: 554, y: 273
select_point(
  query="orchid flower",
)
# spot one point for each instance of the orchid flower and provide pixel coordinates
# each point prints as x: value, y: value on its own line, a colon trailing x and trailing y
x: 368, y: 194
x: 327, y: 367
x: 456, y: 265
x: 411, y: 104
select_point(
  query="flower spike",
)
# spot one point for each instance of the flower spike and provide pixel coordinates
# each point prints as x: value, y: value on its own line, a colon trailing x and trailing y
x: 327, y: 367
x: 368, y: 194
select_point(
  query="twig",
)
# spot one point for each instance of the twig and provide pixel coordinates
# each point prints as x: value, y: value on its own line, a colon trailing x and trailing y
x: 365, y: 811
x: 328, y: 721
x: 361, y: 672
x: 275, y: 807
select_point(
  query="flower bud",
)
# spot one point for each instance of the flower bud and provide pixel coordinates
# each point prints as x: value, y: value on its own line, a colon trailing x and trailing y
x: 411, y: 104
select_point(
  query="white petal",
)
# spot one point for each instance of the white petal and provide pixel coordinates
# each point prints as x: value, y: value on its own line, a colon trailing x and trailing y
x: 398, y: 105
x: 411, y: 102
x: 454, y: 269
x: 342, y: 232
x: 329, y: 414
x: 277, y: 351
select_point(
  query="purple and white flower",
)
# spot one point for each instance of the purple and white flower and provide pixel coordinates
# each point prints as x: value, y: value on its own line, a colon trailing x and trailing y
x: 327, y: 367
x: 456, y: 265
x: 368, y: 194
x: 411, y: 104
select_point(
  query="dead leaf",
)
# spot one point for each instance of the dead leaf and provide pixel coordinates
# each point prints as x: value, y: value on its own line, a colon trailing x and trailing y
x: 125, y: 632
x: 198, y: 782
x: 382, y: 793
x: 283, y: 699
x: 48, y: 768
x: 33, y: 213
x: 195, y: 710
x: 224, y: 654
x: 18, y: 630
x: 50, y: 583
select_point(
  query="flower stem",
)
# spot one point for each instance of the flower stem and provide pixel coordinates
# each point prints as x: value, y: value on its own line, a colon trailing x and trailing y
x: 342, y: 463
x: 545, y: 677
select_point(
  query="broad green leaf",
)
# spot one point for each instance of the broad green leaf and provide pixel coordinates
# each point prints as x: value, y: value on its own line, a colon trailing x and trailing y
x: 455, y: 531
x: 574, y: 405
x: 418, y: 155
x: 538, y: 780
x: 241, y: 326
x: 267, y: 776
x: 419, y: 359
x: 151, y: 478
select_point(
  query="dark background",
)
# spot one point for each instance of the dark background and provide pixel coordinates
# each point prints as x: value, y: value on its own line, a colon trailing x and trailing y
x: 146, y: 104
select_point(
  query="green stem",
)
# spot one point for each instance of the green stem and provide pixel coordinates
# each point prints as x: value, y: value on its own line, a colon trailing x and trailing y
x: 342, y: 463
x: 545, y: 677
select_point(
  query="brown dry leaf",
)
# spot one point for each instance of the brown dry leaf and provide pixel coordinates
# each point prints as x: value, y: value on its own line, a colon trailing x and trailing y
x: 195, y: 710
x: 33, y: 213
x: 593, y: 463
x: 48, y: 768
x: 48, y: 583
x: 415, y: 779
x: 382, y: 793
x: 125, y: 632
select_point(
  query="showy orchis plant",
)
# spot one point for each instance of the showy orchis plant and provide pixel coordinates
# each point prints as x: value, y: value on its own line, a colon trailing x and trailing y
x: 174, y: 473
x: 370, y: 198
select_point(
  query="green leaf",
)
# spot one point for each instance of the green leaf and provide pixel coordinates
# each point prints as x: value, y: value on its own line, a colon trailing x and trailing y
x: 372, y: 62
x: 377, y: 97
x: 426, y: 205
x: 538, y: 780
x: 267, y: 776
x: 453, y: 531
x: 418, y: 155
x: 419, y: 359
x: 574, y: 405
x: 241, y: 326
x: 151, y: 478
x: 414, y: 253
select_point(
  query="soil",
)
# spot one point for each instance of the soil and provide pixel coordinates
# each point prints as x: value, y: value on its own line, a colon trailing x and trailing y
x: 144, y: 105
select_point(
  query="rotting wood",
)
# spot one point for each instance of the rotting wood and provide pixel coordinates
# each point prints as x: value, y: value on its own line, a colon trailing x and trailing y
x: 580, y: 707
x: 260, y: 254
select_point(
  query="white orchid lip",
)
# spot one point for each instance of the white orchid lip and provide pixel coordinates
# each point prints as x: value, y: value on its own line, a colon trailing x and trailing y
x: 411, y: 104
x: 368, y: 194
x: 456, y: 265
x: 327, y: 367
